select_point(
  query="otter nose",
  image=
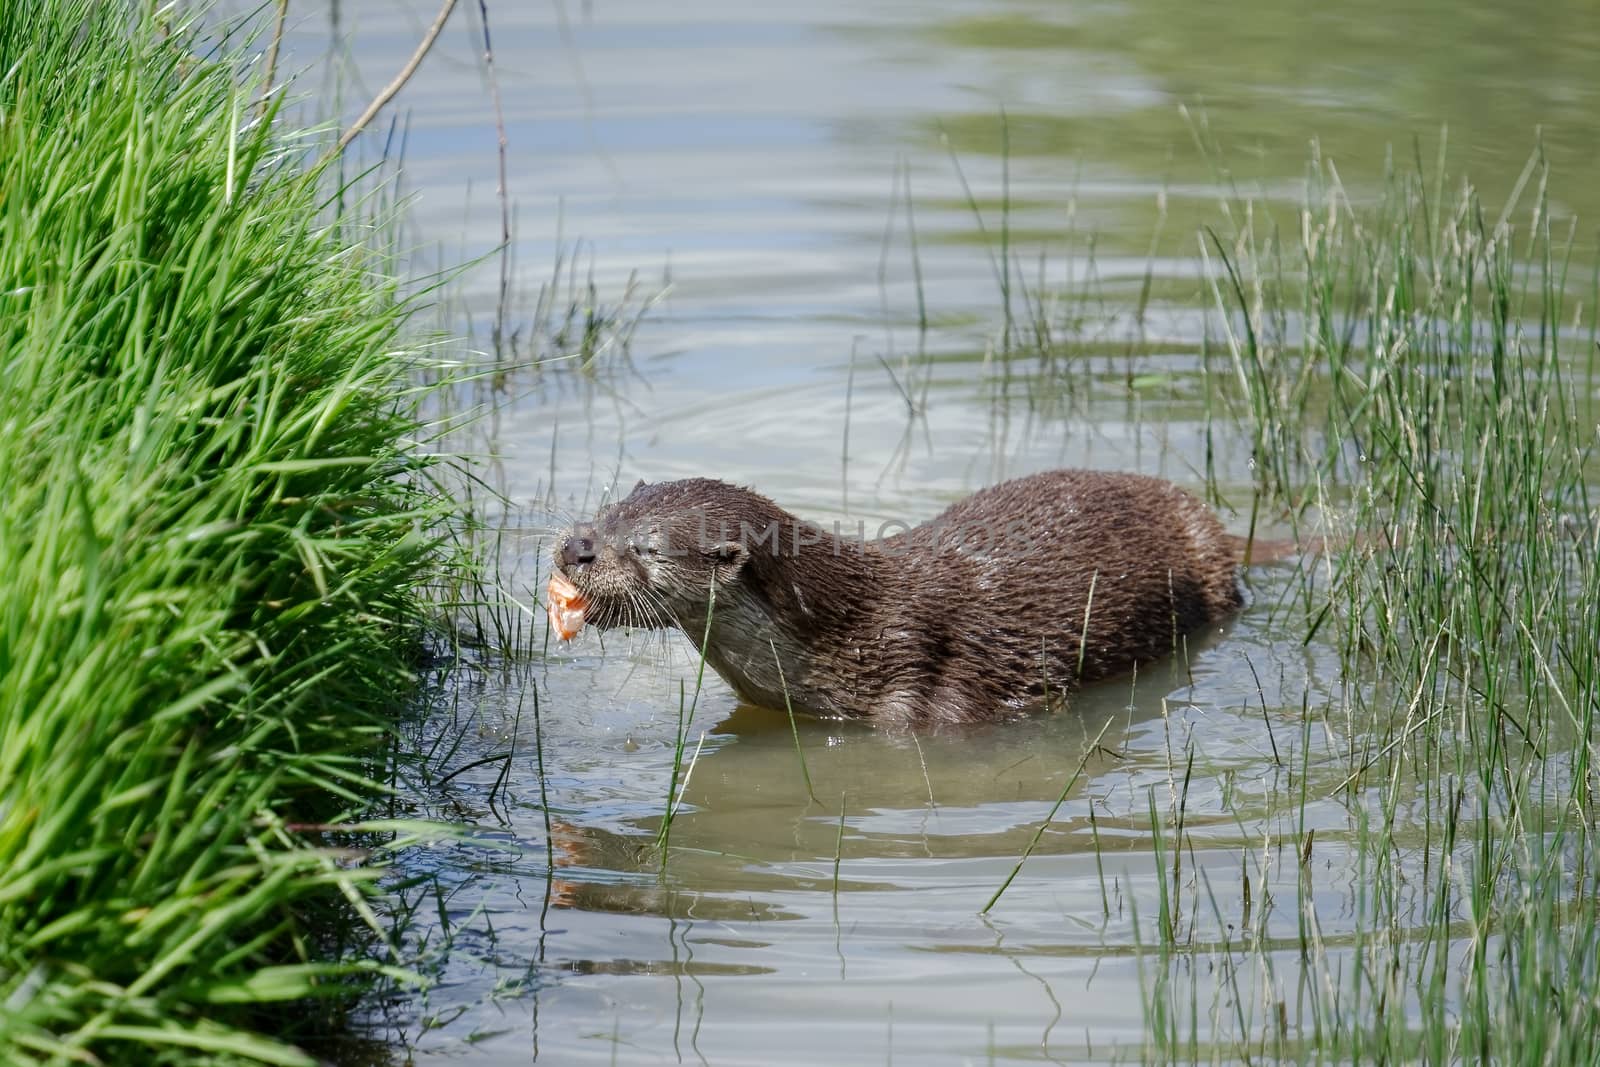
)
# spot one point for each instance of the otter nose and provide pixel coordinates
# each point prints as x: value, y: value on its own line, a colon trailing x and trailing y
x: 577, y: 548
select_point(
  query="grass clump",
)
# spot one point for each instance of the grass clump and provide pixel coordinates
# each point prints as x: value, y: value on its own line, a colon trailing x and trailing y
x: 1421, y: 367
x: 211, y: 531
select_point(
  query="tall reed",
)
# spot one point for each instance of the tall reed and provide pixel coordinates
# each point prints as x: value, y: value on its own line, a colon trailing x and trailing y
x: 1418, y: 370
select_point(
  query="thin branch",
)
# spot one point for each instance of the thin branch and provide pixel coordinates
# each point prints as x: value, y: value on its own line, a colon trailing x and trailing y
x: 389, y: 91
x: 272, y: 52
x: 504, y: 194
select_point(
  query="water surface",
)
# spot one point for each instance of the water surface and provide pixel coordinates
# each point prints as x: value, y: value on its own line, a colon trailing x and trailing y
x: 740, y: 175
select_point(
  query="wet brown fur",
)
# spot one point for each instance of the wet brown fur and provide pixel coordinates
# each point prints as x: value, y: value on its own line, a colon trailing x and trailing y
x: 972, y: 615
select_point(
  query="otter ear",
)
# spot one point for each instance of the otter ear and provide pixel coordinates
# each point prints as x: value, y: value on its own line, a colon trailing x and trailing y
x: 728, y: 556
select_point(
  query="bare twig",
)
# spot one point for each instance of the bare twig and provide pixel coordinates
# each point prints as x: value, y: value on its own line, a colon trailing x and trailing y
x: 272, y: 52
x: 395, y: 86
x: 502, y: 191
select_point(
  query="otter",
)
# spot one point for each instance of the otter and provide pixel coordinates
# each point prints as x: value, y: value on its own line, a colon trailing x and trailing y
x: 1006, y: 601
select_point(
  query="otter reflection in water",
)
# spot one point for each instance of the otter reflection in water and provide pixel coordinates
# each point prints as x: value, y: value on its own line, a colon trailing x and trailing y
x: 1005, y: 601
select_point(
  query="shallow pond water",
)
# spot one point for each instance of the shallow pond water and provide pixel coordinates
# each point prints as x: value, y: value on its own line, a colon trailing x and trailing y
x: 749, y: 168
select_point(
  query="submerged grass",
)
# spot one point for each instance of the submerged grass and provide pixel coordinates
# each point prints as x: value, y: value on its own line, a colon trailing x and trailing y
x: 212, y: 527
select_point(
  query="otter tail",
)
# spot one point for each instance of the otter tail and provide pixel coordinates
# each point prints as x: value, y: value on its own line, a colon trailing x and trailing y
x: 1254, y: 551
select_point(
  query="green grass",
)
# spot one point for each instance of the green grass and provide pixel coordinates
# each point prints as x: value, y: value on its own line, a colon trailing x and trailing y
x: 1414, y: 372
x: 212, y: 527
x: 1418, y: 371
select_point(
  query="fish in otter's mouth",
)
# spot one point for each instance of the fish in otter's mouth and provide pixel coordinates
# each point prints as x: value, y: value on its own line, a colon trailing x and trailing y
x: 566, y: 606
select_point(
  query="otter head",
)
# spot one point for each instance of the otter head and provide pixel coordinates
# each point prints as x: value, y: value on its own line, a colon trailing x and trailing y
x: 651, y: 559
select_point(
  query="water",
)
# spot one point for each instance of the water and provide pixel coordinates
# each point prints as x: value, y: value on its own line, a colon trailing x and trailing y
x: 749, y: 167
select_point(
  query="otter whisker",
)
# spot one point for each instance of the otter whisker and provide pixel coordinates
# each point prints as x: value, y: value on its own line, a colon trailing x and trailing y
x: 641, y: 613
x: 632, y: 613
x: 651, y: 608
